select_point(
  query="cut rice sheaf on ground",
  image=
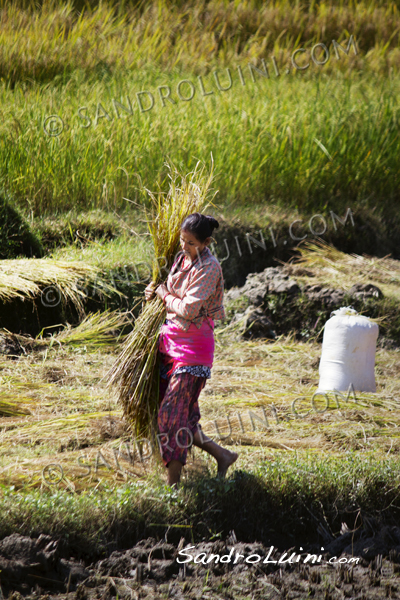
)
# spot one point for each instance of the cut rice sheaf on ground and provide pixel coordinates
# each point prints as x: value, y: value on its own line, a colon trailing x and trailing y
x: 333, y: 266
x: 31, y: 278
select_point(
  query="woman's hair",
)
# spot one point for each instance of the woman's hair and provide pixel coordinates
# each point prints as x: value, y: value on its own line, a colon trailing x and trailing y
x: 202, y: 226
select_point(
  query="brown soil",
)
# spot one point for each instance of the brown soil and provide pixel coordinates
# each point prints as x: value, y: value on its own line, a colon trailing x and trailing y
x: 43, y: 568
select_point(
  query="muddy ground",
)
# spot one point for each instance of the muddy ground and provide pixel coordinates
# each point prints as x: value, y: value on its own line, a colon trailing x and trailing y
x: 360, y: 567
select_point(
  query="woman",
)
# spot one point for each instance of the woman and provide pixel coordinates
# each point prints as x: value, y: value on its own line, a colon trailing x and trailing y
x: 193, y: 298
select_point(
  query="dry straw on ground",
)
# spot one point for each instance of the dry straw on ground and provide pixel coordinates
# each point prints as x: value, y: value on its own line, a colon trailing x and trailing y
x: 335, y: 266
x: 135, y: 371
x: 70, y: 420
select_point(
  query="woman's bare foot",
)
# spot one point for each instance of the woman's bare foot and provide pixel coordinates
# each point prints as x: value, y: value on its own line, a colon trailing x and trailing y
x: 225, y: 461
x: 224, y: 457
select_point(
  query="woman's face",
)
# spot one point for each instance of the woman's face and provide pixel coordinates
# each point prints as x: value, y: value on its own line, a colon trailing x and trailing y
x: 191, y: 245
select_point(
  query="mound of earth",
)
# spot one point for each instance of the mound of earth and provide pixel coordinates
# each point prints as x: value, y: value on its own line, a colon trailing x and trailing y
x: 14, y: 346
x: 272, y: 303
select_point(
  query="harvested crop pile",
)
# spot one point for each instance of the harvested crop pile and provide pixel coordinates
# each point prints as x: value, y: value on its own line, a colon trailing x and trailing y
x: 52, y: 281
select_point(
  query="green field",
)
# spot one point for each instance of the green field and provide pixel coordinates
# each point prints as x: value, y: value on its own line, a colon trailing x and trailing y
x: 300, y: 140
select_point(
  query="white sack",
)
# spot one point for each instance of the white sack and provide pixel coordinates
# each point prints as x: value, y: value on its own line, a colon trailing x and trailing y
x: 348, y: 352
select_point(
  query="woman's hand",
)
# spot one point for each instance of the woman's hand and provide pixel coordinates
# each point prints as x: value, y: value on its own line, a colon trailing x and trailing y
x: 152, y: 290
x: 162, y: 290
x: 149, y: 292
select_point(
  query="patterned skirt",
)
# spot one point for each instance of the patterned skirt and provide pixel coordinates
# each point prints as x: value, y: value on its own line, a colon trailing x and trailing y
x: 178, y: 415
x: 181, y: 381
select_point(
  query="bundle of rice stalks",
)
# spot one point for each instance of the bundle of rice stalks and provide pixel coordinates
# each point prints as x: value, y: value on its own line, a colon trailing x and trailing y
x: 135, y: 373
x: 53, y: 280
x: 95, y: 331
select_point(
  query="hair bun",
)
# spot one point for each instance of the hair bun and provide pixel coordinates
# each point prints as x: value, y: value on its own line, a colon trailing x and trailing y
x: 200, y: 225
x: 213, y: 222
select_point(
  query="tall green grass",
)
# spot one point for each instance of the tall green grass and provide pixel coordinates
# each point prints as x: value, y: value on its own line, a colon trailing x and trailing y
x: 299, y: 141
x: 303, y: 140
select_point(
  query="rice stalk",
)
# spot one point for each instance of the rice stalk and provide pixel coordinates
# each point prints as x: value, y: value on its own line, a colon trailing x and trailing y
x: 135, y: 373
x: 57, y: 428
x: 11, y: 409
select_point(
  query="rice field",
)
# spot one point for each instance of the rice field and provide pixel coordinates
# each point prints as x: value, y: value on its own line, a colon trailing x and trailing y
x: 273, y: 143
x: 86, y: 125
x: 97, y: 100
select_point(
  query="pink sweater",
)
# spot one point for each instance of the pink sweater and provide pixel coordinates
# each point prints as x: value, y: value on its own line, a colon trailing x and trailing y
x: 195, y: 293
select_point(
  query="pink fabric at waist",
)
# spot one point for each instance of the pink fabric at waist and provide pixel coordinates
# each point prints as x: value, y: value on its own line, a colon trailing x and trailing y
x: 187, y: 348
